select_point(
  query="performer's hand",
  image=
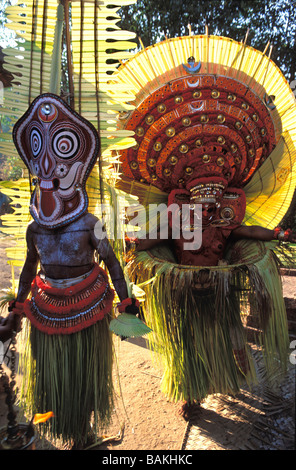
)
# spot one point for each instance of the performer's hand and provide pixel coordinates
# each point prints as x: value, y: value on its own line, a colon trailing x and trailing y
x: 6, y: 328
x: 284, y: 235
x: 292, y: 237
x: 16, y: 310
x: 129, y: 305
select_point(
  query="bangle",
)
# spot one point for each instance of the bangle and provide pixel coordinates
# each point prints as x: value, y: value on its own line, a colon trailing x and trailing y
x: 278, y: 234
x: 281, y: 235
x: 287, y: 234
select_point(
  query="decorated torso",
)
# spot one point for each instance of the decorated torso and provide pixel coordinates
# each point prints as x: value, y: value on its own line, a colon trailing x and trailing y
x: 209, y: 254
x: 67, y: 251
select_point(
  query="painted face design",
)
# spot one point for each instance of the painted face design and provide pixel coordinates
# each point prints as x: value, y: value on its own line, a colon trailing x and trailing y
x: 209, y: 213
x: 60, y: 148
x: 216, y: 219
x: 192, y: 218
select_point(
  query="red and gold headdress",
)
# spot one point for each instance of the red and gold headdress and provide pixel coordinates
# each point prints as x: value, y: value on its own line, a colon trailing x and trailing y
x: 211, y: 111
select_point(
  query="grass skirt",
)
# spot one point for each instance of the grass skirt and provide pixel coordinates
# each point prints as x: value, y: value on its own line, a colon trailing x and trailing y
x: 70, y: 375
x: 197, y: 317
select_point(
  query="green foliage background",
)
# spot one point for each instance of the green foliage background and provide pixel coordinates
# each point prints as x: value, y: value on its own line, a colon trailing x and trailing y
x: 267, y: 20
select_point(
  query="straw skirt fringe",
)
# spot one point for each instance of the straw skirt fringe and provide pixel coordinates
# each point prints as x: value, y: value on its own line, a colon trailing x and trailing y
x: 198, y: 318
x: 70, y: 375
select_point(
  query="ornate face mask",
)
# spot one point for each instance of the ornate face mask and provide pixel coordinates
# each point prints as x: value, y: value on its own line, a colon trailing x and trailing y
x: 60, y: 148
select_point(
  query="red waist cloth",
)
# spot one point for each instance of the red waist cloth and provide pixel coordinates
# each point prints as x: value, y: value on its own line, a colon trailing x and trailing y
x: 68, y: 310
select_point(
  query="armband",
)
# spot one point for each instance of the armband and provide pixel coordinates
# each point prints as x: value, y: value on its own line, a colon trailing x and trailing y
x: 281, y: 235
x: 278, y: 234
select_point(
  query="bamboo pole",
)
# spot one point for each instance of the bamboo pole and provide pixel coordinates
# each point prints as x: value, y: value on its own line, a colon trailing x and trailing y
x: 55, y: 77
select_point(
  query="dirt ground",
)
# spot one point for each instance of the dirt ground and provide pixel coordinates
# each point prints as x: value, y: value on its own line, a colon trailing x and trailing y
x: 144, y: 420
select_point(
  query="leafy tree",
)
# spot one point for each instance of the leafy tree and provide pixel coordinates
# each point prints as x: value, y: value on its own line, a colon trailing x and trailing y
x: 267, y: 20
x: 7, y: 37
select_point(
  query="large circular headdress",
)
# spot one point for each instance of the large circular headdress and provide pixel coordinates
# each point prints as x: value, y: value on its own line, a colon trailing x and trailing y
x: 210, y: 109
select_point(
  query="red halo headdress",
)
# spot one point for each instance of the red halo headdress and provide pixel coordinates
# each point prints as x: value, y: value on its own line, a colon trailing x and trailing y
x: 224, y: 117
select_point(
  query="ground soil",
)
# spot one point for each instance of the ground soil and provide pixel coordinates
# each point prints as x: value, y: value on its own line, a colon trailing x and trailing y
x: 144, y: 419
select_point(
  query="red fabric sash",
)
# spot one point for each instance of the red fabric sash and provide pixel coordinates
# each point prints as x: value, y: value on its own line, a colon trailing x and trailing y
x: 68, y: 310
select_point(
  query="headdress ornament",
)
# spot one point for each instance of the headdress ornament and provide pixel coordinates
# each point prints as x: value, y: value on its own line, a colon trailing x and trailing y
x: 210, y: 190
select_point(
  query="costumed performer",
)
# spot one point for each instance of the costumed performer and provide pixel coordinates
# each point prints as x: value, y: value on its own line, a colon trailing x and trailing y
x: 71, y: 300
x: 213, y: 130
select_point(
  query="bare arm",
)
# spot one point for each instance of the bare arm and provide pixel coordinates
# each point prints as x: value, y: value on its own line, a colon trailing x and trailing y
x: 107, y: 255
x: 258, y: 233
x: 253, y: 232
x: 29, y: 269
x: 148, y: 243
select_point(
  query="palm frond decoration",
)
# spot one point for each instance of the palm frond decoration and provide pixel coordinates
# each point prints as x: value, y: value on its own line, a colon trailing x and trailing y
x: 93, y: 46
x: 83, y: 35
x: 15, y: 224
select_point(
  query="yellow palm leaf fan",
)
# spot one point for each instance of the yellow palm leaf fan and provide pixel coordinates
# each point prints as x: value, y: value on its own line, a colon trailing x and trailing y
x: 271, y: 189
